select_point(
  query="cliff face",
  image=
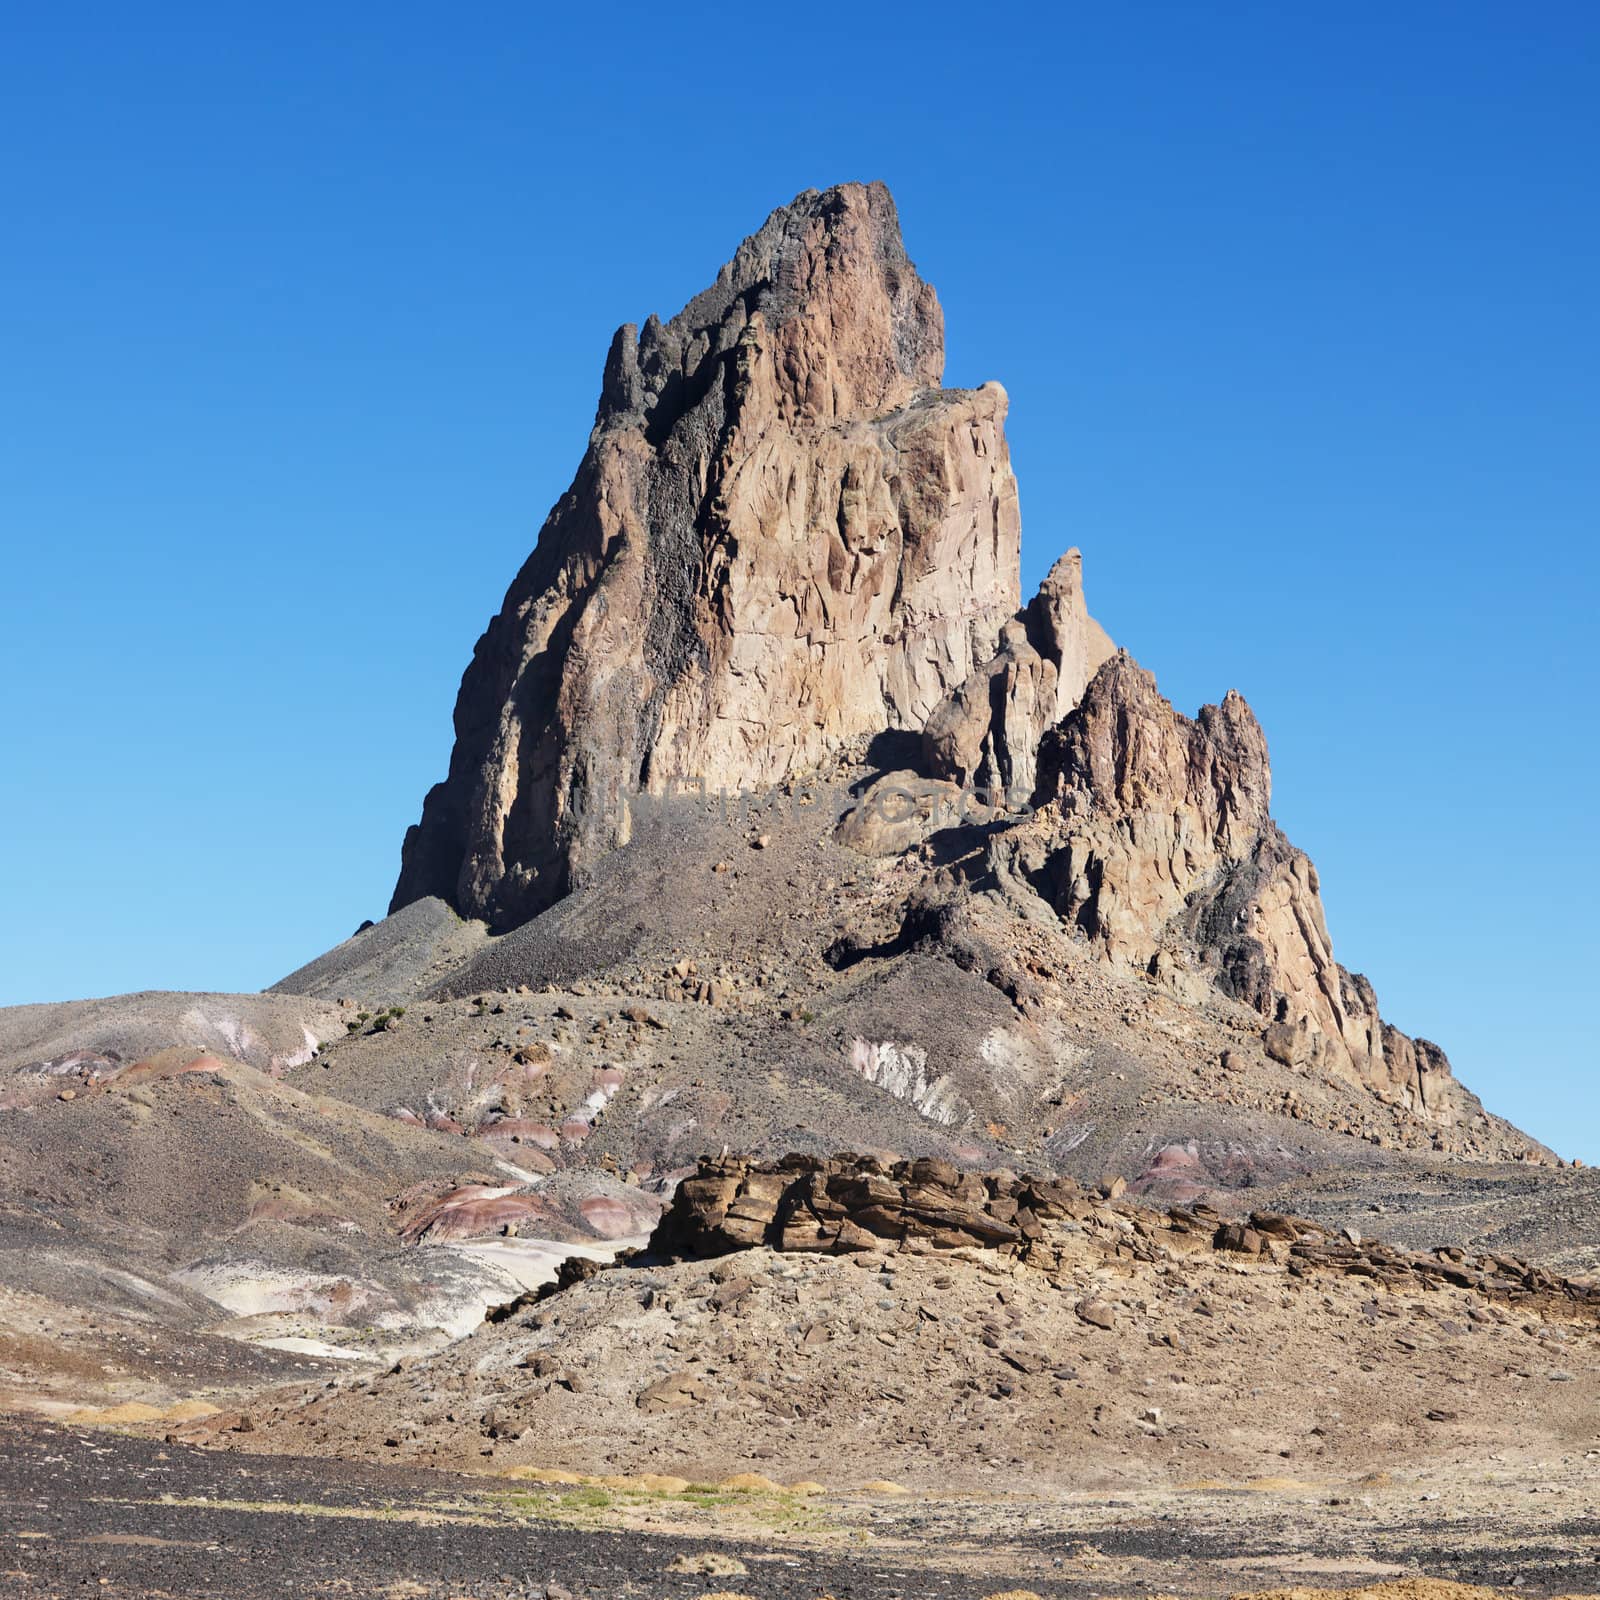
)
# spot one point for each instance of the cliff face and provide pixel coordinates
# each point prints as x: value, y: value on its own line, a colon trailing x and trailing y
x: 783, y: 536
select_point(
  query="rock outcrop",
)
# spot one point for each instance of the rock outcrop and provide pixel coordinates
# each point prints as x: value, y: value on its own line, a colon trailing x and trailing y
x: 784, y: 537
x: 851, y: 1203
x: 1154, y: 839
x: 848, y: 1203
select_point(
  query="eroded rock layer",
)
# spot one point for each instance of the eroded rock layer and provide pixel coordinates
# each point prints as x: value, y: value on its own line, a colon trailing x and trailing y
x: 850, y: 1203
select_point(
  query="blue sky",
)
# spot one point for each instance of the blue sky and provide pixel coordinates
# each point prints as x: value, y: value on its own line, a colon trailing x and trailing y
x: 304, y: 317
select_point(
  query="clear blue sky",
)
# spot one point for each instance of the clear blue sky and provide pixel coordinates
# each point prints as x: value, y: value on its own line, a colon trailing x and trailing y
x: 304, y: 311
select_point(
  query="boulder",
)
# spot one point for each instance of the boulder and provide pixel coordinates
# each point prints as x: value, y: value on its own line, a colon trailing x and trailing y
x: 1097, y: 1313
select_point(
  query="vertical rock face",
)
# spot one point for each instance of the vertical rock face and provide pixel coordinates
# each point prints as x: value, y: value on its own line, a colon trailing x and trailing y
x: 783, y: 535
x: 1162, y: 852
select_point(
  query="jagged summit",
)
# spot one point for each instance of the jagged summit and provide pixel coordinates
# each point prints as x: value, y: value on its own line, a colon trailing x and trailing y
x: 1154, y: 840
x: 856, y: 328
x: 783, y: 536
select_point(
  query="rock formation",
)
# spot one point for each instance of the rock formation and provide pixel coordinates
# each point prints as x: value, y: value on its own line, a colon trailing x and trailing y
x: 1054, y: 971
x: 850, y: 1203
x: 1154, y: 839
x: 784, y: 536
x: 784, y: 540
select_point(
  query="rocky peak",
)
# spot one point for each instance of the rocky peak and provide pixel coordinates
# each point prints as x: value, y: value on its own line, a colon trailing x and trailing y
x: 1126, y: 751
x: 823, y: 295
x: 1154, y: 840
x: 782, y: 538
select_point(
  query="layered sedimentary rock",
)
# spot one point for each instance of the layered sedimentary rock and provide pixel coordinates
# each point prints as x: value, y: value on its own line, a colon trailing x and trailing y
x: 850, y: 1203
x: 783, y: 536
x: 1154, y: 839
